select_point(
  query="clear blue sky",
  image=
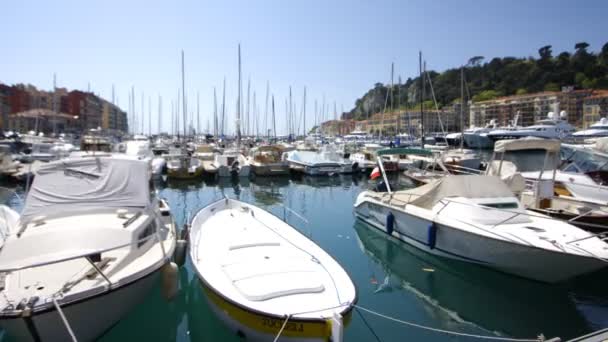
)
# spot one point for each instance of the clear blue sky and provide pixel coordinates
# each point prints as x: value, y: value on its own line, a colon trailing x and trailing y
x: 336, y: 48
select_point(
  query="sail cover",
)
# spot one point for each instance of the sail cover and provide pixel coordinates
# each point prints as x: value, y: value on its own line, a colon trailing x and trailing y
x: 87, y: 183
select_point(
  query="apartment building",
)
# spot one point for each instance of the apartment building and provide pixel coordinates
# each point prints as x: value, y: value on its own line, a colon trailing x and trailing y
x: 595, y: 107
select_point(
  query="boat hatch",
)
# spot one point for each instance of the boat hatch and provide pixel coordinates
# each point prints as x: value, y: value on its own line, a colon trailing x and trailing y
x: 536, y: 229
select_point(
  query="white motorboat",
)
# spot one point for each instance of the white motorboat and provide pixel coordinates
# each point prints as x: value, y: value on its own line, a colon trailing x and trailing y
x: 140, y: 148
x: 232, y: 163
x: 478, y: 219
x: 365, y: 159
x: 268, y: 160
x: 206, y: 154
x: 313, y: 163
x: 89, y: 245
x: 566, y: 193
x: 552, y: 127
x: 180, y: 165
x: 260, y: 274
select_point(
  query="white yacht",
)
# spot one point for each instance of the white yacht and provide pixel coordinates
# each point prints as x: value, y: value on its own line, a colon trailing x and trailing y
x: 90, y: 244
x: 552, y: 127
x: 260, y: 274
x: 597, y: 130
x: 324, y: 163
x: 140, y: 148
x: 478, y: 219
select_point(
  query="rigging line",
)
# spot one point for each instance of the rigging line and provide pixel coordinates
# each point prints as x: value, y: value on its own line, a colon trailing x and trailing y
x: 368, y: 326
x: 497, y: 338
x: 276, y: 338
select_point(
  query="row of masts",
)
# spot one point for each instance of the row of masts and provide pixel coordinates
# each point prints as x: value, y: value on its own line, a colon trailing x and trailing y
x: 248, y: 122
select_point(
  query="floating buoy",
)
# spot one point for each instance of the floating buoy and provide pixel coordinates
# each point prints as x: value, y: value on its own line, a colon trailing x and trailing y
x: 169, y: 279
x: 390, y: 222
x: 432, y: 235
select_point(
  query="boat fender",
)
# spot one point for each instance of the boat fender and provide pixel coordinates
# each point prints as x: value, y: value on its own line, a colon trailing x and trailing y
x: 179, y: 256
x: 169, y: 280
x: 390, y: 222
x: 432, y: 235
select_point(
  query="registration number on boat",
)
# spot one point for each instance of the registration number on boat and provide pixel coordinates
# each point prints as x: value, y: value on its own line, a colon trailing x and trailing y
x: 277, y: 324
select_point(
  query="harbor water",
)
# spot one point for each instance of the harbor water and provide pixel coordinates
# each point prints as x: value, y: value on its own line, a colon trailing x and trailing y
x: 391, y: 277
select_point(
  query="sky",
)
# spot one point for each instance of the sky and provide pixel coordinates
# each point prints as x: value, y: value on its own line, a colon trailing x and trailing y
x: 336, y: 49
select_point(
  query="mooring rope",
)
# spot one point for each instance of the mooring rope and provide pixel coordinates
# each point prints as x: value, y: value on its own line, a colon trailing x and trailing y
x: 276, y: 338
x: 496, y: 338
x: 64, y: 319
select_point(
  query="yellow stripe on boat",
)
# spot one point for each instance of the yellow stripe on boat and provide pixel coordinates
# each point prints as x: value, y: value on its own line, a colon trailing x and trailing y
x: 270, y: 325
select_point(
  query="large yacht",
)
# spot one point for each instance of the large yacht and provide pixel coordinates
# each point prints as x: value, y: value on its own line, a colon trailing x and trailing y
x: 553, y: 127
x: 597, y: 130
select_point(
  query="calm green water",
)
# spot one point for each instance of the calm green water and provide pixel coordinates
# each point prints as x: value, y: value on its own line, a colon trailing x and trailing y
x: 391, y: 277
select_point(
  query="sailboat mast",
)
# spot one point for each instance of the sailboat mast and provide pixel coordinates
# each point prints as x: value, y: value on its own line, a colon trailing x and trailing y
x: 160, y: 113
x: 55, y: 102
x: 198, y: 114
x: 184, y: 94
x: 248, y: 115
x: 274, y: 122
x: 214, y: 113
x: 223, y: 107
x: 238, y: 111
x: 266, y: 110
x: 304, y: 113
x: 461, y: 107
x: 421, y: 99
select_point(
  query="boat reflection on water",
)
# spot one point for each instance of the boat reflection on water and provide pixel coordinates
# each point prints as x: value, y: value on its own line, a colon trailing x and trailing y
x: 267, y: 190
x: 495, y: 302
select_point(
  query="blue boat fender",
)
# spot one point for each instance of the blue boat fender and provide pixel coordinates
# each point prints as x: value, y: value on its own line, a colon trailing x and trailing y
x: 390, y: 222
x: 432, y: 235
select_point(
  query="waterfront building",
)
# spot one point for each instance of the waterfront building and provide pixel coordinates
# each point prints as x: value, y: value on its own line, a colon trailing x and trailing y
x: 530, y: 107
x: 24, y: 108
x: 595, y: 107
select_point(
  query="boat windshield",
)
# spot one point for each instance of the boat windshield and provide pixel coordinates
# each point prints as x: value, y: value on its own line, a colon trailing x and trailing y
x: 507, y: 205
x: 585, y: 160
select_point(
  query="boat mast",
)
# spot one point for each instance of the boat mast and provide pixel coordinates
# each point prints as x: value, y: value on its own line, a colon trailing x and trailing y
x: 421, y: 99
x: 266, y: 110
x: 274, y: 122
x: 184, y: 94
x: 304, y: 114
x: 149, y: 116
x: 214, y: 113
x: 461, y: 107
x: 238, y: 111
x: 223, y: 107
x: 160, y: 112
x: 248, y: 113
x: 198, y: 114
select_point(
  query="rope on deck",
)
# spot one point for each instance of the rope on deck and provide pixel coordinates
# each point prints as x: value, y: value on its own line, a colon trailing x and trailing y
x: 64, y: 319
x: 276, y: 338
x: 449, y: 332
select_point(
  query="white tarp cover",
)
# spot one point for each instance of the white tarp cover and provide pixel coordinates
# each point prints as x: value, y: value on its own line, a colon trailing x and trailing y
x: 550, y: 145
x: 86, y: 183
x: 469, y: 186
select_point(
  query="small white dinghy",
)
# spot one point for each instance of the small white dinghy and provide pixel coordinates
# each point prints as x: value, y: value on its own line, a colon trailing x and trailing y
x: 261, y: 276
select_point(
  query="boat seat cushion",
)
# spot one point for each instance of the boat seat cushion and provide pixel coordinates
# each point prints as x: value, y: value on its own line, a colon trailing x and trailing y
x: 274, y: 285
x: 259, y: 280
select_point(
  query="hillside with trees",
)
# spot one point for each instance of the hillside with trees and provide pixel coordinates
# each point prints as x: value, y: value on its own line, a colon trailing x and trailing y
x: 485, y: 80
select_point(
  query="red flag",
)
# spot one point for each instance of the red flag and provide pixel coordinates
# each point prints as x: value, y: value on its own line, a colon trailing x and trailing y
x: 375, y: 173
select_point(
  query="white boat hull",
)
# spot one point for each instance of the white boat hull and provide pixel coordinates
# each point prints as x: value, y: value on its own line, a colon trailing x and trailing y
x: 525, y: 261
x: 88, y: 318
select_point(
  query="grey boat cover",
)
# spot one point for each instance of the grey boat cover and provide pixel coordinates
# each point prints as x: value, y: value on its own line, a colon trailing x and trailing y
x: 468, y: 186
x: 87, y: 183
